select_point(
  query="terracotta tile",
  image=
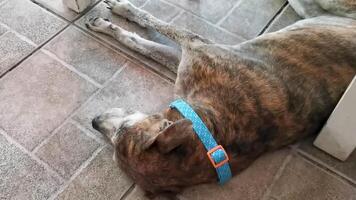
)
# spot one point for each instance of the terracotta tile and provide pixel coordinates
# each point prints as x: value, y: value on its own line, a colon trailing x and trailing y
x: 287, y: 17
x: 67, y: 150
x: 102, y: 179
x: 250, y: 17
x: 161, y: 10
x: 58, y: 7
x: 134, y: 88
x: 205, y: 29
x: 86, y: 54
x: 30, y: 20
x: 251, y: 184
x: 347, y: 168
x: 211, y: 10
x: 21, y: 177
x: 12, y: 50
x: 37, y: 96
x: 302, y: 180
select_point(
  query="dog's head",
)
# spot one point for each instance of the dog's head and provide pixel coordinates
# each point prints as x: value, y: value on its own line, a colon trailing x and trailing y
x: 161, y: 153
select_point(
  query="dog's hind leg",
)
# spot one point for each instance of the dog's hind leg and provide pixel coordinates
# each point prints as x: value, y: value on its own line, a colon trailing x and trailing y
x: 127, y: 10
x: 166, y: 55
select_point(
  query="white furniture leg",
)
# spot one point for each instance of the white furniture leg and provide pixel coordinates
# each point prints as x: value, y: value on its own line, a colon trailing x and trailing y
x: 338, y: 136
x: 77, y: 5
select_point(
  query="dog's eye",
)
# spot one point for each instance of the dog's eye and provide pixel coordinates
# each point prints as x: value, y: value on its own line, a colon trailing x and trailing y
x: 165, y: 124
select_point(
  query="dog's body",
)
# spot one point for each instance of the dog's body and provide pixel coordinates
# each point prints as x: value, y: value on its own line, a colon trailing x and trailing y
x: 254, y: 97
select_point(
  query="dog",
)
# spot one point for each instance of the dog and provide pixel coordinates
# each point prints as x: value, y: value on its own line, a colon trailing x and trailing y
x: 254, y: 97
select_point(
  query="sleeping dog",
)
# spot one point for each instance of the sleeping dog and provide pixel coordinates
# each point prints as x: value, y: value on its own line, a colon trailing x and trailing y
x: 247, y: 99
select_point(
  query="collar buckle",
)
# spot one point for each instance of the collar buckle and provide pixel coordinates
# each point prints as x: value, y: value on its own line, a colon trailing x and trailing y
x: 218, y: 156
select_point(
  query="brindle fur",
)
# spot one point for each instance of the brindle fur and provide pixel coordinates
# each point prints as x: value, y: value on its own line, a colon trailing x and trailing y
x: 257, y: 96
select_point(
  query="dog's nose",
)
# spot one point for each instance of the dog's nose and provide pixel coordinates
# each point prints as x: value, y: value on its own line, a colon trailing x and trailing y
x: 94, y: 123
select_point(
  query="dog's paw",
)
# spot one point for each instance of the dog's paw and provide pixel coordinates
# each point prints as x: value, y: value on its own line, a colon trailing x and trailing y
x: 100, y: 25
x: 117, y: 3
x: 121, y: 7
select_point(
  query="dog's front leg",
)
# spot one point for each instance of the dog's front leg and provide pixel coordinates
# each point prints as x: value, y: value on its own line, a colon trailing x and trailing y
x: 166, y: 55
x: 127, y: 10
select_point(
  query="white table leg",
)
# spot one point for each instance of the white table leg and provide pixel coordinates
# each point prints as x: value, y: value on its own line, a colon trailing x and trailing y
x: 338, y: 137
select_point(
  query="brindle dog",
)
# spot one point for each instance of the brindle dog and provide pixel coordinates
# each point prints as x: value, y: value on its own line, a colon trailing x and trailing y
x: 254, y: 97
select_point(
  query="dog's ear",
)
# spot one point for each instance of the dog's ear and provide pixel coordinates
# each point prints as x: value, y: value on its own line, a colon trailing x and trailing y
x: 173, y: 136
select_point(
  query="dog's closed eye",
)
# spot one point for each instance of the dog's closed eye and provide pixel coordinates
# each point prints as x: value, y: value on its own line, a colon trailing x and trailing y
x: 165, y: 123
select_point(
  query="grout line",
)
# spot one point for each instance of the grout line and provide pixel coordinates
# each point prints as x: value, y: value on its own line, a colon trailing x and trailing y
x: 87, y: 132
x: 317, y: 162
x: 228, y: 13
x: 176, y: 17
x: 51, y: 135
x: 128, y: 192
x: 68, y: 23
x: 4, y: 33
x: 144, y: 4
x: 277, y: 175
x: 24, y: 38
x: 212, y: 25
x: 273, y: 18
x: 77, y: 172
x: 205, y: 20
x: 31, y: 155
x: 71, y: 68
x: 38, y: 47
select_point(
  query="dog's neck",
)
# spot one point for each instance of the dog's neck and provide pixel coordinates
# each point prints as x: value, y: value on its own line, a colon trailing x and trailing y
x: 205, y: 112
x: 221, y: 129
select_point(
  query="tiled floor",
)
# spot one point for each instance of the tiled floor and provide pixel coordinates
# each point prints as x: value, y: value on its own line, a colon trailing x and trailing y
x: 55, y: 75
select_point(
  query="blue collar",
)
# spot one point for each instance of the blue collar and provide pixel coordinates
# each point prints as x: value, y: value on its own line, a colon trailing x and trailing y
x: 216, y: 153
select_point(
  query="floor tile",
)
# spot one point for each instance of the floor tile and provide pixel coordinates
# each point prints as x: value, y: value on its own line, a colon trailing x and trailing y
x: 37, y: 96
x: 134, y: 88
x: 30, y: 20
x: 101, y: 11
x: 302, y: 180
x: 12, y: 50
x: 136, y: 194
x: 86, y: 54
x: 21, y: 177
x: 250, y: 17
x: 211, y: 10
x: 102, y: 179
x: 67, y: 150
x: 58, y: 7
x: 287, y: 17
x: 348, y: 168
x: 207, y: 30
x: 251, y: 184
x: 161, y: 10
